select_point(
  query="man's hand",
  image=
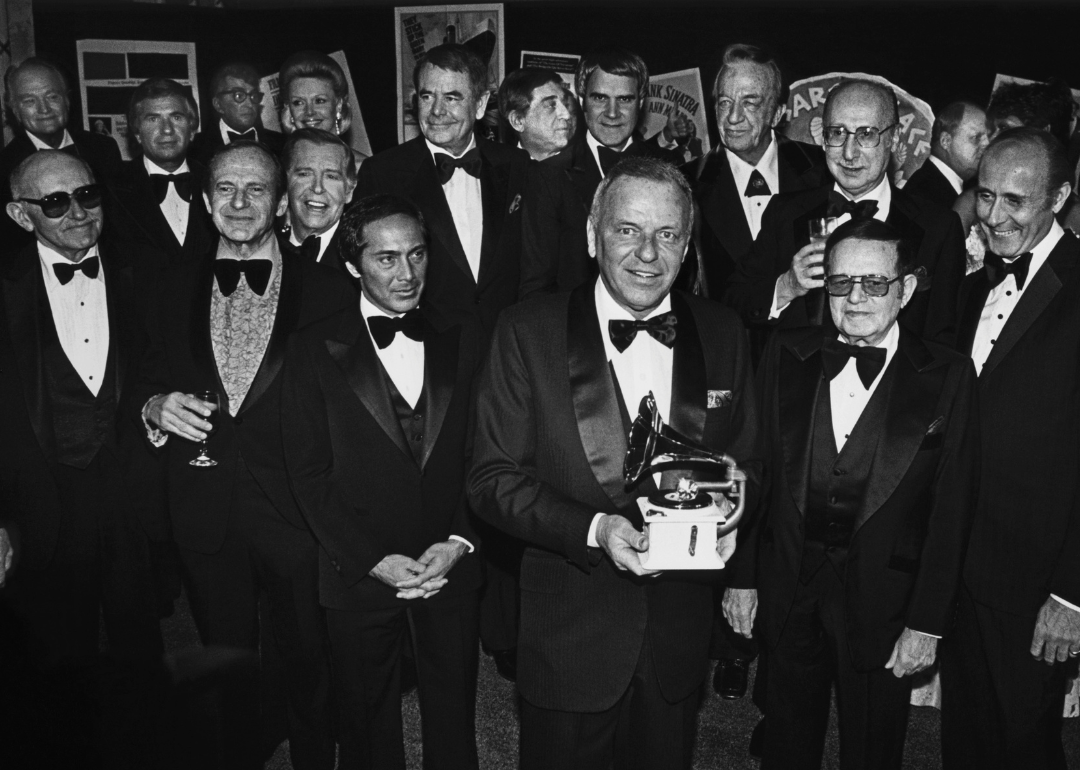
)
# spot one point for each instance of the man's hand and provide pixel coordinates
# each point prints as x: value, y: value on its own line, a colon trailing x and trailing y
x: 396, y: 570
x: 912, y: 653
x: 7, y: 554
x: 179, y: 413
x: 740, y: 609
x: 434, y: 564
x: 622, y: 543
x: 725, y: 546
x: 679, y: 128
x: 1057, y: 632
x: 807, y: 272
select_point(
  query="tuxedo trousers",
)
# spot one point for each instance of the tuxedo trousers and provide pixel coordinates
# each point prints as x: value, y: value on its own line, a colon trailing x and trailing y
x: 812, y: 655
x: 642, y: 731
x: 367, y: 651
x: 265, y: 555
x: 1000, y: 707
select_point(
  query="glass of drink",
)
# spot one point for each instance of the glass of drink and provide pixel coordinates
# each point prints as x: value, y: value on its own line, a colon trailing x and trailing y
x: 212, y: 400
x: 821, y: 228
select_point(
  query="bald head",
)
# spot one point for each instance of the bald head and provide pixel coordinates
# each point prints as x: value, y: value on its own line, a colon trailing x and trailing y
x: 27, y: 177
x: 864, y: 93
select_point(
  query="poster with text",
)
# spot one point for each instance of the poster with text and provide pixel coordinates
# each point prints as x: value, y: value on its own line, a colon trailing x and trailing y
x: 421, y: 28
x: 109, y: 71
x: 563, y: 63
x: 677, y: 93
x: 806, y: 103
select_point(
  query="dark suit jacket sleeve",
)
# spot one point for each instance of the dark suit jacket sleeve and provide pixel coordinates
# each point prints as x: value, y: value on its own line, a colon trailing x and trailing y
x: 950, y: 265
x: 1065, y: 580
x: 469, y: 356
x: 952, y: 508
x: 503, y: 487
x: 750, y: 289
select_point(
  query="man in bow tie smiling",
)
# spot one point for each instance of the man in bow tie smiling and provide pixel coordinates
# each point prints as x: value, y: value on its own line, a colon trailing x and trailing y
x: 220, y: 324
x: 852, y: 570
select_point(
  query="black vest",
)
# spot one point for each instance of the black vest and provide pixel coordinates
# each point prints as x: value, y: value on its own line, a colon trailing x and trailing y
x: 412, y: 421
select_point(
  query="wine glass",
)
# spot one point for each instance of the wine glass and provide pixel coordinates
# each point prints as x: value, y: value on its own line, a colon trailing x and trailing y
x: 212, y: 400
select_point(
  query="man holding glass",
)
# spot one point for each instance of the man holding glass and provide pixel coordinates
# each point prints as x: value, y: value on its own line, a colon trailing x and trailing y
x: 780, y: 282
x: 220, y: 326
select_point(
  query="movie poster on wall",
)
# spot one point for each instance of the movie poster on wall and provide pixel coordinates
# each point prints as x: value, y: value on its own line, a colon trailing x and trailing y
x: 109, y: 71
x: 806, y: 103
x: 677, y: 93
x: 563, y: 64
x: 418, y: 29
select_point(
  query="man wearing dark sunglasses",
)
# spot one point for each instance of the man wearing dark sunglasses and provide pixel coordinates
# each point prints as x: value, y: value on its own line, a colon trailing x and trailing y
x: 75, y: 483
x: 859, y: 545
x: 237, y: 102
x: 780, y: 283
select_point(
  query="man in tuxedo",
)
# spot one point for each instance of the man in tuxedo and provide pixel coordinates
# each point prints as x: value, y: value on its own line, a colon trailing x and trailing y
x: 538, y: 107
x: 855, y: 561
x: 957, y: 142
x: 320, y: 176
x: 1018, y: 622
x: 237, y: 104
x: 75, y: 487
x: 221, y: 325
x: 158, y: 201
x: 39, y: 97
x: 779, y: 283
x: 734, y: 183
x: 376, y: 409
x: 611, y: 655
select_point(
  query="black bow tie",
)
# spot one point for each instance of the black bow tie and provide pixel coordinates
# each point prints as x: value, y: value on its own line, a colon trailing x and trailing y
x: 235, y: 137
x: 997, y: 268
x: 445, y: 164
x: 256, y: 271
x: 757, y: 185
x: 840, y: 205
x: 383, y: 329
x: 309, y: 249
x: 608, y: 158
x: 661, y: 328
x: 182, y: 183
x: 65, y: 271
x: 868, y: 361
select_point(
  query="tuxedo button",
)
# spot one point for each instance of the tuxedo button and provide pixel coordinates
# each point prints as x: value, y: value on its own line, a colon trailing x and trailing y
x: 417, y: 417
x: 418, y: 437
x: 832, y: 501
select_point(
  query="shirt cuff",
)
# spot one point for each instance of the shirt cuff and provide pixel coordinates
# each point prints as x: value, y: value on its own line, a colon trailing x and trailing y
x: 1059, y: 600
x: 592, y: 543
x: 932, y: 636
x: 462, y: 540
x: 156, y: 436
x: 774, y: 311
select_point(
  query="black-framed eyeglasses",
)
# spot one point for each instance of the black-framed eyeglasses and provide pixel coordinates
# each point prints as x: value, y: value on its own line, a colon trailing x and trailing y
x: 865, y: 136
x: 239, y: 95
x: 873, y: 285
x: 55, y: 205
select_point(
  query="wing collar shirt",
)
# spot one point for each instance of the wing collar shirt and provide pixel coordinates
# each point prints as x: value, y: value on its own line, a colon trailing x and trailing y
x: 848, y: 396
x: 950, y: 176
x: 466, y: 203
x: 40, y: 145
x: 324, y: 239
x: 769, y: 167
x: 175, y: 208
x: 594, y: 148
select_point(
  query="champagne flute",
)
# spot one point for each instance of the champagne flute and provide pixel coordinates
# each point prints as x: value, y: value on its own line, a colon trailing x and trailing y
x: 212, y: 400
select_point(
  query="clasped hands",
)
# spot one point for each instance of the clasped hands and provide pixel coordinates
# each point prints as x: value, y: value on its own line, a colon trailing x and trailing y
x: 420, y: 578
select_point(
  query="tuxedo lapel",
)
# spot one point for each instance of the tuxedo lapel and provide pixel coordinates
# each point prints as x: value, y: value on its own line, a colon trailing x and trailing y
x: 429, y: 197
x: 689, y: 395
x: 800, y: 377
x: 440, y: 371
x: 285, y: 319
x: 973, y: 294
x: 202, y: 344
x: 788, y: 175
x: 902, y: 217
x: 119, y: 289
x: 584, y: 172
x: 722, y: 207
x: 163, y: 233
x: 493, y: 187
x: 800, y: 234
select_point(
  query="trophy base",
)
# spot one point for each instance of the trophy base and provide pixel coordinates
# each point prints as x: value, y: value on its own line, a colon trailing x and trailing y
x: 681, y: 538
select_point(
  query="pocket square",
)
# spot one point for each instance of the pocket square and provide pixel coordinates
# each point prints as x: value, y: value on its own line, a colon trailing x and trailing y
x: 936, y: 426
x: 718, y: 398
x: 515, y: 204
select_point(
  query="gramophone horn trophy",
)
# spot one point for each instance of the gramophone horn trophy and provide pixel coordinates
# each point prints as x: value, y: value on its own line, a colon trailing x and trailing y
x: 683, y: 524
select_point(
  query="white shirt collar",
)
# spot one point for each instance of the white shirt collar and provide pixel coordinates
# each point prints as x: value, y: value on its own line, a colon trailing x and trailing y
x: 607, y: 309
x: 768, y: 165
x: 40, y: 145
x: 1042, y: 250
x: 951, y: 176
x: 50, y: 257
x: 594, y: 146
x: 154, y: 168
x: 882, y: 194
x: 434, y: 148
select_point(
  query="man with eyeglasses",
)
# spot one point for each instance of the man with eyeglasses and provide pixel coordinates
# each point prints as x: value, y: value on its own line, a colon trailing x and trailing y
x: 853, y: 567
x: 779, y: 283
x: 75, y: 482
x: 237, y: 104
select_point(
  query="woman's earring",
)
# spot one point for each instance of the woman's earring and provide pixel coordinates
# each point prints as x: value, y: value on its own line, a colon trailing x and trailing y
x: 337, y: 124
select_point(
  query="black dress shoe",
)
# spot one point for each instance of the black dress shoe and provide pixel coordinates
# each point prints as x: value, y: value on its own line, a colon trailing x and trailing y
x: 757, y: 740
x: 729, y: 681
x: 506, y: 663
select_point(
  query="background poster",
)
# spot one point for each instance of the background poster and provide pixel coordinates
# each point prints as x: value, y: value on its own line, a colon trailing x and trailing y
x: 677, y: 91
x: 419, y: 28
x: 562, y: 63
x: 109, y: 71
x: 272, y: 106
x: 806, y: 102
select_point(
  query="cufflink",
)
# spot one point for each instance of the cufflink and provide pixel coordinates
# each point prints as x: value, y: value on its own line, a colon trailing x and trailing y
x: 718, y: 398
x: 516, y: 204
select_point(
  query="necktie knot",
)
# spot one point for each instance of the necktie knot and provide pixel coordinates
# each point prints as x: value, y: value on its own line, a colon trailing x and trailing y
x: 182, y: 183
x: 256, y: 271
x: 840, y: 205
x: 869, y: 361
x: 446, y: 164
x: 997, y: 268
x: 608, y: 158
x: 756, y: 185
x: 236, y: 136
x: 65, y: 271
x: 383, y: 329
x: 661, y: 328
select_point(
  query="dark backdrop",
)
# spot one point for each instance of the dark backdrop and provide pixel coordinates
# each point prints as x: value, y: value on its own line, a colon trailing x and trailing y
x: 937, y: 51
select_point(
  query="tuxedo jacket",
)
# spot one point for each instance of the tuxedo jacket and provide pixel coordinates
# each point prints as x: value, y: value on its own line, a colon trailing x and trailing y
x: 919, y: 432
x: 928, y: 182
x: 723, y: 237
x: 29, y: 494
x: 550, y: 446
x: 181, y: 358
x: 1025, y: 543
x: 357, y: 483
x: 939, y: 249
x: 408, y: 170
x: 137, y: 216
x: 331, y: 258
x: 208, y: 141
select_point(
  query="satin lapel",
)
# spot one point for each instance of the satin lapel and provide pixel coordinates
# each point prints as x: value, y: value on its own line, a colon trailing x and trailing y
x: 724, y: 212
x: 787, y: 173
x: 202, y: 345
x: 27, y: 308
x: 689, y: 395
x: 493, y: 186
x: 584, y: 173
x: 440, y: 372
x: 285, y: 320
x: 596, y: 404
x: 972, y: 300
x: 901, y: 216
x: 909, y: 405
x: 165, y: 234
x: 119, y: 289
x: 800, y: 376
x: 354, y: 353
x: 428, y: 196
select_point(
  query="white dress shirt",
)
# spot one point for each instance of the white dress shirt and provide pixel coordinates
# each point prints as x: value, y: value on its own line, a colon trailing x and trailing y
x: 951, y: 176
x: 644, y: 367
x: 40, y: 145
x: 80, y: 311
x: 769, y: 167
x: 594, y: 148
x: 324, y: 240
x: 466, y: 203
x: 175, y: 208
x: 848, y: 396
x: 882, y: 194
